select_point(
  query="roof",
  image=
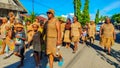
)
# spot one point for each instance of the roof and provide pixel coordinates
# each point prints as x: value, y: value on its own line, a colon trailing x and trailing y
x: 20, y: 4
x: 39, y: 17
x: 12, y: 5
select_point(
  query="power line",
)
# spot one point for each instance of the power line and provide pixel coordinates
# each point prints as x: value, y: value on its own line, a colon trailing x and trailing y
x: 45, y: 6
x: 33, y: 5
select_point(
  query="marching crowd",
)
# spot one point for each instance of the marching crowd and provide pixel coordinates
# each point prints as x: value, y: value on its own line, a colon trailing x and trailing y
x: 50, y: 34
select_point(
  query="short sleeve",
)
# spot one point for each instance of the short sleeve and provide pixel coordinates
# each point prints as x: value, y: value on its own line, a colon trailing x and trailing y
x: 79, y: 26
x: 23, y: 35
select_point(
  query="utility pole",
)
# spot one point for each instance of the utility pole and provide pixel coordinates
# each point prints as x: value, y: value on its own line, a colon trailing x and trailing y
x: 33, y: 5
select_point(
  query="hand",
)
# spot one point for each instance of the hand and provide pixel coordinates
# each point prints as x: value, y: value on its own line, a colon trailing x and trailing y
x: 58, y: 42
x: 100, y: 36
x: 71, y: 35
x: 17, y: 36
x: 114, y: 38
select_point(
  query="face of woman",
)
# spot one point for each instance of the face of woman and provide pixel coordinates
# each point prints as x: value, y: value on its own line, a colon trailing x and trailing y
x: 11, y: 14
x: 28, y: 23
x: 107, y: 20
x: 19, y: 29
x: 49, y: 15
x: 4, y: 20
x: 35, y: 27
x: 91, y: 22
x: 7, y: 28
x: 36, y: 20
x: 74, y: 18
x: 68, y: 21
x: 11, y: 20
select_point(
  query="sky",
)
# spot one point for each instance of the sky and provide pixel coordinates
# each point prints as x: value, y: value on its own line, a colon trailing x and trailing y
x: 66, y: 7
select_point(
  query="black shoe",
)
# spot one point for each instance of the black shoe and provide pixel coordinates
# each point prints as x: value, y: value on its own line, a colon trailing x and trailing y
x: 109, y: 54
x: 20, y: 65
x: 105, y: 50
x: 74, y: 52
x: 6, y: 57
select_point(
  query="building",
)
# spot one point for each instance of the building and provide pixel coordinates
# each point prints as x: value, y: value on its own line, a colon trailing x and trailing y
x: 11, y: 5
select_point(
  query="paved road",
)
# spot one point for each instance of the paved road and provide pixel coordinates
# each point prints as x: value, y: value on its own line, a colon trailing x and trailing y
x: 86, y: 57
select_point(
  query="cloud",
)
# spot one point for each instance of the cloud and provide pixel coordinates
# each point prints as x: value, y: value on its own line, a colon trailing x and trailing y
x: 43, y: 15
x: 64, y: 16
x: 72, y: 14
x: 92, y: 16
x: 110, y: 7
x: 68, y: 15
x: 106, y: 9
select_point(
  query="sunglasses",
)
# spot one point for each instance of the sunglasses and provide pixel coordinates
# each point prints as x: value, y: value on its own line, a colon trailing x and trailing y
x: 49, y: 13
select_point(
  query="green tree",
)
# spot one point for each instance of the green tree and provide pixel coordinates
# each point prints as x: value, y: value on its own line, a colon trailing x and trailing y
x: 61, y: 18
x: 86, y: 16
x: 116, y: 17
x: 77, y: 9
x: 31, y: 17
x: 97, y: 17
x: 102, y: 18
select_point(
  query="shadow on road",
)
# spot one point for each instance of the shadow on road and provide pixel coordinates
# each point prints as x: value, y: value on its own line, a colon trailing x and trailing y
x: 29, y: 61
x: 97, y: 37
x: 71, y: 45
x: 117, y: 38
x: 114, y: 54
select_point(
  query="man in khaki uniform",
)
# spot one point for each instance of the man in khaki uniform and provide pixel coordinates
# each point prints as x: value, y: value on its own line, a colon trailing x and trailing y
x: 107, y: 35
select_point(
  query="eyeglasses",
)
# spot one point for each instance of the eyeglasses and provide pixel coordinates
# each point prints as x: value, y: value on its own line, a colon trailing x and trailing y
x: 49, y: 13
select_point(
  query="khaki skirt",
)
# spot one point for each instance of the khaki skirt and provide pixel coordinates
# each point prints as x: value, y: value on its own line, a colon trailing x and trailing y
x: 51, y: 45
x: 10, y: 43
x: 106, y: 42
x: 75, y: 39
x: 67, y: 36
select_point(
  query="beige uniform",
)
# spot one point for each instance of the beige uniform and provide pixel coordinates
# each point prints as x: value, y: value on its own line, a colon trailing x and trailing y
x: 51, y: 39
x: 9, y: 41
x: 37, y: 23
x: 107, y: 38
x: 29, y: 32
x: 75, y: 31
x: 91, y: 31
x: 3, y: 30
x: 67, y: 36
x: 62, y: 29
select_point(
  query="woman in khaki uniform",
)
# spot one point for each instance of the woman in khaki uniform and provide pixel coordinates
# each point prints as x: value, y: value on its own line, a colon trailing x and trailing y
x: 62, y: 27
x: 37, y: 22
x: 91, y: 31
x: 107, y: 35
x: 12, y: 19
x: 9, y: 43
x: 75, y: 32
x: 29, y: 31
x: 3, y: 33
x: 67, y: 33
x: 53, y: 36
